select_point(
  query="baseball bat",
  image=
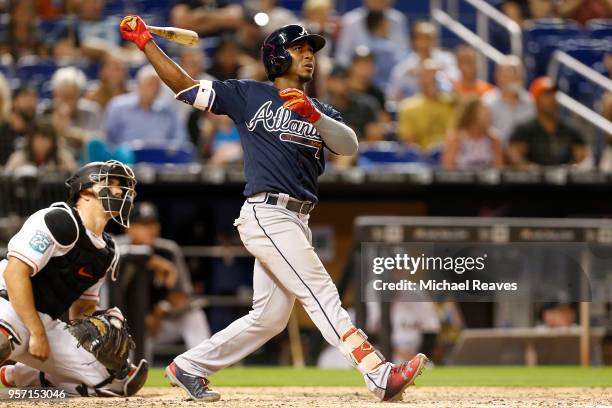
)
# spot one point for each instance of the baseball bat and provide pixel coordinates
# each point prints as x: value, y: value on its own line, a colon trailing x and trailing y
x: 174, y: 34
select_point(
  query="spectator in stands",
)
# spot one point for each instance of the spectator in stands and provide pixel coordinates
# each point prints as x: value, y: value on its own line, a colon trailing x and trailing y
x: 380, y: 43
x: 510, y: 103
x: 206, y: 17
x: 355, y: 32
x: 542, y: 9
x: 546, y: 140
x: 42, y: 150
x: 359, y: 111
x: 7, y: 136
x: 221, y: 141
x: 226, y: 61
x: 425, y: 118
x: 22, y: 37
x: 140, y: 119
x: 403, y: 82
x: 469, y: 84
x: 361, y: 74
x: 170, y: 317
x: 472, y: 145
x: 517, y: 10
x: 92, y: 33
x: 585, y: 10
x: 75, y: 118
x: 112, y: 80
x: 318, y: 18
x: 23, y: 114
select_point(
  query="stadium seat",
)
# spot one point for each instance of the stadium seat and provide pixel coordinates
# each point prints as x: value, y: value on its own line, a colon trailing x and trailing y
x: 34, y: 70
x: 183, y: 155
x: 541, y: 38
x: 434, y: 156
x: 600, y: 28
x: 381, y: 153
x: 591, y: 53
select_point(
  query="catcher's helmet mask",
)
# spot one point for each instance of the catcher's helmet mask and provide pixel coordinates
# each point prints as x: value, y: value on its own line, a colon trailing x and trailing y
x: 274, y: 54
x: 101, y: 173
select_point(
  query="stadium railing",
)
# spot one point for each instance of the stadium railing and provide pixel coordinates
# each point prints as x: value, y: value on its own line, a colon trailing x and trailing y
x: 442, y: 14
x: 562, y: 59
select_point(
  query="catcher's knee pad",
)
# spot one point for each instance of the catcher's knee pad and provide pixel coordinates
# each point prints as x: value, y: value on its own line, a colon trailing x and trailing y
x: 356, y: 345
x: 8, y: 339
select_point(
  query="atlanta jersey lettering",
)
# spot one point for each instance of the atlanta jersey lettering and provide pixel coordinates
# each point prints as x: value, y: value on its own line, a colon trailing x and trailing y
x: 283, y: 153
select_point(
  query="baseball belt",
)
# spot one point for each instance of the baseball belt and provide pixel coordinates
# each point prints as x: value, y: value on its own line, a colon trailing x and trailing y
x: 300, y: 207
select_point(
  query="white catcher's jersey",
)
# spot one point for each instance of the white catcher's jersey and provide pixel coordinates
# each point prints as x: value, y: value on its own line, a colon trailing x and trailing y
x: 35, y: 245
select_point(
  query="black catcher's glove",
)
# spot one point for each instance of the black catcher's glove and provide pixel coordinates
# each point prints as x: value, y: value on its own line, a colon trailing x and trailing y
x: 105, y: 335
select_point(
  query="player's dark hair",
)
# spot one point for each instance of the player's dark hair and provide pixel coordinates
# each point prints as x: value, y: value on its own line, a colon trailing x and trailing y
x: 73, y: 197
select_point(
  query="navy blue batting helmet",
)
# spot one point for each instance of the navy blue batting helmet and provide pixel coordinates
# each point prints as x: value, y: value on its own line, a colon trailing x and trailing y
x: 274, y: 54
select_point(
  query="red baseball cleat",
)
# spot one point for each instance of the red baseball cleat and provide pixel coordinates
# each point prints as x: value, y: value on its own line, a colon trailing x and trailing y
x: 402, y: 376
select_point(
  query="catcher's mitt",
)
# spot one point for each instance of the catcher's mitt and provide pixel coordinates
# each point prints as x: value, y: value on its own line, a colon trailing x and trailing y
x: 105, y: 335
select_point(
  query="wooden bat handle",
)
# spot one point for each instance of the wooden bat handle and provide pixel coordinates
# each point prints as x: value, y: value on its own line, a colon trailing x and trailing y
x: 174, y: 34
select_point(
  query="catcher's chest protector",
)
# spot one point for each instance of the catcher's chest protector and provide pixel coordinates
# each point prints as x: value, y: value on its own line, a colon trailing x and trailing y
x: 64, y: 279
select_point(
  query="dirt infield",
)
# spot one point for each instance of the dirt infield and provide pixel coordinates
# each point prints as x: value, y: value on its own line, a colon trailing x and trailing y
x: 349, y: 397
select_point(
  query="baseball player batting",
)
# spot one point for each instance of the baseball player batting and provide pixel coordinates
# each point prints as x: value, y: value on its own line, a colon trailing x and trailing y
x: 283, y: 133
x: 57, y: 263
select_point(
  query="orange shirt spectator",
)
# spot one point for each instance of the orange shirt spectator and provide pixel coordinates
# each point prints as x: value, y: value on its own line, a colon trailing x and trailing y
x: 469, y: 84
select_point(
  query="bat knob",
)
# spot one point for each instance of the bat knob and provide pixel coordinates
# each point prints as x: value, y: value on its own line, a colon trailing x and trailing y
x: 130, y: 22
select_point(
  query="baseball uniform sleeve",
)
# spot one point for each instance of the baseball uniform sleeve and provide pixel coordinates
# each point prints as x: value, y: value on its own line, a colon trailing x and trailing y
x: 338, y: 137
x: 46, y: 233
x: 220, y: 97
x: 93, y: 292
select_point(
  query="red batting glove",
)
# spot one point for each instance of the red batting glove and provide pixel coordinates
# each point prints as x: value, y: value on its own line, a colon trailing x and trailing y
x: 297, y: 101
x: 134, y: 29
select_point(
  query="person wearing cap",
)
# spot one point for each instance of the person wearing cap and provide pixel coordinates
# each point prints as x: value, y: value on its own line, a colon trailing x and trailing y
x: 361, y: 75
x: 545, y: 140
x: 359, y: 110
x: 170, y: 318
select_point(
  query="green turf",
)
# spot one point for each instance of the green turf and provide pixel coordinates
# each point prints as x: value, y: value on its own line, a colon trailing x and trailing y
x: 437, y: 376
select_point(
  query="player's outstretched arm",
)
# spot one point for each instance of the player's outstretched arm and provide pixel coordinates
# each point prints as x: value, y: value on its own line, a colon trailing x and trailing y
x: 134, y: 29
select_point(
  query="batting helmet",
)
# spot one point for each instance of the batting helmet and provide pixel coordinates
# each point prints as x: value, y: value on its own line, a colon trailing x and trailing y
x: 119, y: 208
x: 274, y: 54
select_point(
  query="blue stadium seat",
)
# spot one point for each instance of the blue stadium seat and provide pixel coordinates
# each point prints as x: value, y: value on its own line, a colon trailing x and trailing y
x: 591, y: 53
x: 7, y: 71
x: 381, y: 153
x: 34, y: 70
x: 115, y: 8
x: 49, y: 26
x: 164, y: 156
x: 434, y: 156
x: 600, y: 28
x: 541, y: 38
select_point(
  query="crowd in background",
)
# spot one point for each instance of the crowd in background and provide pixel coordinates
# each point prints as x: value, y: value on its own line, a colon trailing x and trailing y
x: 390, y: 79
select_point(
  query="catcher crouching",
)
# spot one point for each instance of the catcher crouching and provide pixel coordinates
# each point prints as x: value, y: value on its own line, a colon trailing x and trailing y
x: 57, y: 263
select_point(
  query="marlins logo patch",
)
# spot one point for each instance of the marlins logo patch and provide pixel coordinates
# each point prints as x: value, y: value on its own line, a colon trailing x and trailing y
x: 40, y: 242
